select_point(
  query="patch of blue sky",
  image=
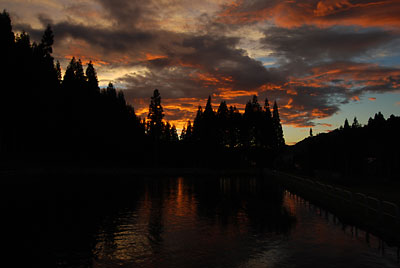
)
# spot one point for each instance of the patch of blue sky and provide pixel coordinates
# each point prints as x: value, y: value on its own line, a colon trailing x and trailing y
x: 366, y: 107
x: 387, y: 55
x: 268, y: 61
x: 389, y: 61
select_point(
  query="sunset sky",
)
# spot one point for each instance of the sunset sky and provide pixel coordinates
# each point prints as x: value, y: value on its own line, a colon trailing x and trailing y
x: 321, y: 60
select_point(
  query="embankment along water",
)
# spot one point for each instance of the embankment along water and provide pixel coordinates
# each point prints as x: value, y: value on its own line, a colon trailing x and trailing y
x: 379, y: 217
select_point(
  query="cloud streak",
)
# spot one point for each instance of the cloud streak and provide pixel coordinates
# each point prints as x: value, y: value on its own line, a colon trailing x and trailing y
x: 321, y: 13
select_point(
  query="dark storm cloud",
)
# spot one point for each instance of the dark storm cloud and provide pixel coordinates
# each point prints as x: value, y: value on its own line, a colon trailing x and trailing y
x: 220, y: 56
x: 107, y: 39
x: 311, y: 44
x: 204, y: 64
x: 35, y: 34
x: 45, y: 20
x: 173, y: 83
x: 115, y: 40
x: 125, y: 12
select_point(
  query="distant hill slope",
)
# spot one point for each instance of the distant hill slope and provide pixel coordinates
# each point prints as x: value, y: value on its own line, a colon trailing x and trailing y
x: 357, y: 152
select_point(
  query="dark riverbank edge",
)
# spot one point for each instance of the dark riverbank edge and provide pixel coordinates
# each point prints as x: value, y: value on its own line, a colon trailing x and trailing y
x: 132, y: 171
x: 32, y: 175
x: 375, y: 216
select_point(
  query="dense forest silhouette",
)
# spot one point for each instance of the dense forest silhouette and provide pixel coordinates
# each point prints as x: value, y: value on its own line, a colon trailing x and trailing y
x: 50, y: 118
x: 350, y: 152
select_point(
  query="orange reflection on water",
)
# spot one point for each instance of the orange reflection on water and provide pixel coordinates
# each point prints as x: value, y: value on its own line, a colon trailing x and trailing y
x: 289, y: 203
x: 181, y: 203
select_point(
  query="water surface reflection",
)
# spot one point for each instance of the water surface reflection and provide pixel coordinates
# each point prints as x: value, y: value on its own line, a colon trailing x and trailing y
x: 196, y: 223
x: 178, y: 222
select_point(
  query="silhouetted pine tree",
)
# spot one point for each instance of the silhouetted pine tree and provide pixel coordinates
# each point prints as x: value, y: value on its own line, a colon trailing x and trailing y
x: 280, y: 141
x: 189, y: 131
x: 208, y: 111
x: 47, y: 42
x: 6, y: 33
x: 155, y: 116
x: 252, y: 123
x: 234, y: 128
x: 346, y: 125
x: 7, y: 94
x: 93, y: 82
x: 222, y: 124
x: 267, y: 127
x: 174, y: 134
x: 183, y: 133
x: 197, y: 124
x: 58, y: 72
x: 355, y: 123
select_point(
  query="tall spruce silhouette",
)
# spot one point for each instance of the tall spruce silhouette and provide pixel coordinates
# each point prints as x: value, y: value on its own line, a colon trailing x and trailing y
x: 92, y: 81
x: 222, y: 124
x: 155, y: 127
x: 267, y: 126
x: 155, y: 116
x: 208, y: 124
x: 355, y: 123
x: 276, y: 121
x: 346, y: 124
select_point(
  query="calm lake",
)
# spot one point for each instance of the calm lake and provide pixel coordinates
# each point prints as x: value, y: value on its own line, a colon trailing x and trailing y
x: 178, y: 222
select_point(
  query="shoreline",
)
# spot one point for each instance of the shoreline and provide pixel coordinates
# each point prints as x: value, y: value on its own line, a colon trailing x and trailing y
x: 377, y: 216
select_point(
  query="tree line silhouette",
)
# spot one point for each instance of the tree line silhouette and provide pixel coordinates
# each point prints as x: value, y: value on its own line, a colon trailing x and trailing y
x: 49, y: 118
x: 254, y: 137
x: 351, y: 152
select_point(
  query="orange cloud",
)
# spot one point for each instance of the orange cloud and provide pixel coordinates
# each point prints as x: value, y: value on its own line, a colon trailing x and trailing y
x: 323, y: 13
x: 84, y: 51
x: 320, y: 113
x: 289, y: 104
x: 291, y: 92
x: 348, y: 75
x: 233, y: 14
x: 213, y: 79
x: 229, y: 94
x: 150, y: 56
x: 270, y: 87
x: 294, y: 119
x: 188, y: 64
